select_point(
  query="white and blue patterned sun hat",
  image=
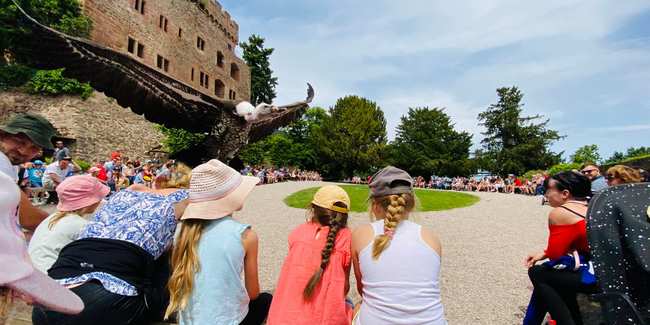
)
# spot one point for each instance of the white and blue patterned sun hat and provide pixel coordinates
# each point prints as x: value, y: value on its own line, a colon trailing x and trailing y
x: 216, y: 191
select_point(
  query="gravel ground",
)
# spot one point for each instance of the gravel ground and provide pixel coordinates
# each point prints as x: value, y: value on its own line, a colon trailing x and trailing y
x: 483, y: 279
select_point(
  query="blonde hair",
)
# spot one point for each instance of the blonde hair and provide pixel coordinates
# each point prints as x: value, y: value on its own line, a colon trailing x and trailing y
x: 185, y: 263
x: 625, y: 173
x: 60, y: 214
x: 336, y: 221
x: 396, y: 207
x: 180, y: 177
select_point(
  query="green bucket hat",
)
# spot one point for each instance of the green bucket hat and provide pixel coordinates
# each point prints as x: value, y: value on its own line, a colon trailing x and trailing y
x: 36, y: 127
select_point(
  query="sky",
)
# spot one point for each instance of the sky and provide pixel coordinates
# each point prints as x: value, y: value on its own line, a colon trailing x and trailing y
x: 584, y: 65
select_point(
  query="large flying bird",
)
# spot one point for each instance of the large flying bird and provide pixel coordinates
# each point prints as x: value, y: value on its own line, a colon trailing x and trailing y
x: 229, y: 125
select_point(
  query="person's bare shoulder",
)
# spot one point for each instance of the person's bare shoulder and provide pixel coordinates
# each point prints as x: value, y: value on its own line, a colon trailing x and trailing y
x: 560, y: 216
x: 431, y: 240
x: 362, y: 236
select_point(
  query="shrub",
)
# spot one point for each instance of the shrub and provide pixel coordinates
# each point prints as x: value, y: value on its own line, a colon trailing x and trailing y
x: 563, y: 168
x: 15, y: 76
x: 84, y: 165
x: 53, y: 83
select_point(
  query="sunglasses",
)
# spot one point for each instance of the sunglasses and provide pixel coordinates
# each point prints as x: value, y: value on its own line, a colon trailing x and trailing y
x: 587, y: 171
x: 610, y: 178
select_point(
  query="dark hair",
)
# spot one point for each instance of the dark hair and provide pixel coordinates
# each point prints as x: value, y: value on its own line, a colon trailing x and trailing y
x: 579, y: 186
x: 588, y: 164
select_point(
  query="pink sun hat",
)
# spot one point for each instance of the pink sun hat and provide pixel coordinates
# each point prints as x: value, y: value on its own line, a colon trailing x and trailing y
x: 216, y: 191
x: 76, y: 192
x: 16, y: 270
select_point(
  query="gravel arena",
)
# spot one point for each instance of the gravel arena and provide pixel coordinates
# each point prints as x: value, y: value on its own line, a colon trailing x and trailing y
x: 483, y: 277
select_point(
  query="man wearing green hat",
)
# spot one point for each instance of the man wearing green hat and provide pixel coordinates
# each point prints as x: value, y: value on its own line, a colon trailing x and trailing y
x: 21, y: 140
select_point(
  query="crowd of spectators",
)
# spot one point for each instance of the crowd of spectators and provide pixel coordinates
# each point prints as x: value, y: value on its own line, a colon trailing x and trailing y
x: 270, y: 175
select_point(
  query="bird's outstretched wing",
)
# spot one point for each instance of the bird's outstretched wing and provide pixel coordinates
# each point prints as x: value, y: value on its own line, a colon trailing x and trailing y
x: 162, y: 99
x: 284, y: 117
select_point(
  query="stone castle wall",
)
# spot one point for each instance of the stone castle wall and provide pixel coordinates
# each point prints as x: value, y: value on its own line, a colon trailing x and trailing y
x: 115, y: 21
x: 91, y: 128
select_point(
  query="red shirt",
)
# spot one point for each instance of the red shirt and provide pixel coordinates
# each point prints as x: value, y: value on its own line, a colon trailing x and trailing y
x: 565, y: 237
x: 102, y: 173
x: 517, y: 182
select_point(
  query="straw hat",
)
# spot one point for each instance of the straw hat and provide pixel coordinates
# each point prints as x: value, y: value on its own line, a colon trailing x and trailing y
x: 216, y: 191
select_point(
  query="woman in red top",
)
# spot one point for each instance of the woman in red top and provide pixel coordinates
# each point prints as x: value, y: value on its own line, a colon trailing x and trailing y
x: 556, y: 289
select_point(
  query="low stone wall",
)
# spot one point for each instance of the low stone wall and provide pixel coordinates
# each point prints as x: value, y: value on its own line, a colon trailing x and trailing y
x: 92, y: 128
x: 643, y: 162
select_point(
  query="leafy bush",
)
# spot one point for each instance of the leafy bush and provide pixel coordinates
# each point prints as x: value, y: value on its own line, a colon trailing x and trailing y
x: 53, y: 83
x: 178, y: 139
x: 563, y: 168
x: 15, y: 76
x: 84, y: 165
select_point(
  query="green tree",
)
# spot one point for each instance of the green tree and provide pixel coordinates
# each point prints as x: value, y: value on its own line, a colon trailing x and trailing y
x: 586, y: 153
x: 178, y: 139
x: 253, y: 154
x: 352, y: 137
x: 302, y: 135
x: 257, y: 59
x: 426, y: 143
x: 514, y: 144
x: 630, y: 154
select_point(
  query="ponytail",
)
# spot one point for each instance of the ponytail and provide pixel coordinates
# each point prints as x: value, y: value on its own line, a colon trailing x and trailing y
x: 185, y: 263
x: 396, y: 206
x: 336, y: 221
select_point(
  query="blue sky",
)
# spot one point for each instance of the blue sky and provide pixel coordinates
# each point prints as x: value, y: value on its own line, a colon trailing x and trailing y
x: 585, y: 65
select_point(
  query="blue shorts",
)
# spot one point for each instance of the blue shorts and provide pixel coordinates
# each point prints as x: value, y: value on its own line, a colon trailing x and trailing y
x: 35, y: 184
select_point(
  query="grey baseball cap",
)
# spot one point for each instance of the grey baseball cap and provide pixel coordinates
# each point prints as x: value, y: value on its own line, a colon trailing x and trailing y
x: 384, y: 182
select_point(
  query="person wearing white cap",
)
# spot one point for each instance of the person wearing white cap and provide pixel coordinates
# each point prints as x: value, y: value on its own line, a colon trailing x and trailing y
x: 17, y: 274
x: 78, y: 196
x: 213, y: 292
x: 392, y: 293
x: 117, y: 266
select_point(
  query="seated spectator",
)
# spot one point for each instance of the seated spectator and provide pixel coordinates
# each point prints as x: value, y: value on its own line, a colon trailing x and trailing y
x: 78, y: 196
x: 621, y: 174
x: 137, y: 163
x: 129, y: 172
x: 56, y: 173
x: 592, y: 171
x: 124, y: 273
x: 555, y: 287
x: 117, y: 180
x: 36, y: 179
x: 206, y: 286
x: 142, y: 178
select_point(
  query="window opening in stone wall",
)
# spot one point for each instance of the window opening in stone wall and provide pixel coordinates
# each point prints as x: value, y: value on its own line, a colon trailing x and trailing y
x: 220, y: 59
x: 166, y: 65
x: 140, y: 50
x: 229, y: 47
x: 137, y: 5
x: 142, y: 3
x: 207, y: 82
x: 232, y: 94
x: 219, y: 88
x: 131, y: 46
x: 192, y: 75
x: 201, y: 75
x: 234, y: 71
x: 163, y: 23
x: 200, y: 43
x: 180, y: 32
x: 159, y: 61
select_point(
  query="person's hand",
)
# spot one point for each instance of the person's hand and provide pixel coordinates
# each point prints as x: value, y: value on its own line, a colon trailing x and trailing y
x: 533, y: 258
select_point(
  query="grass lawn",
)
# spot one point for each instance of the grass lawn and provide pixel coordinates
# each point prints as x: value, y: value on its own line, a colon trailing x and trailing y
x: 430, y: 200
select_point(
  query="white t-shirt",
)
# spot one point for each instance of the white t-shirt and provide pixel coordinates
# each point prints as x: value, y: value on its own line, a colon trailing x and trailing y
x: 7, y: 168
x: 56, y: 169
x: 46, y: 244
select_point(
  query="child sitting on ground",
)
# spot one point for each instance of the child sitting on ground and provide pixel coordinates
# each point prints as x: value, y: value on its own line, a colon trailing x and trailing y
x: 396, y: 261
x: 78, y: 196
x: 211, y: 251
x: 315, y: 276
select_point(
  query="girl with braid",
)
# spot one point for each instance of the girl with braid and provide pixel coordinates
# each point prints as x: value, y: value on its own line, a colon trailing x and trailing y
x: 315, y: 276
x: 396, y: 261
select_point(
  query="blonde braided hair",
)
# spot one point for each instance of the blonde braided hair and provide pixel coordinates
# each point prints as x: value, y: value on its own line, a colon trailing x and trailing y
x: 397, y: 207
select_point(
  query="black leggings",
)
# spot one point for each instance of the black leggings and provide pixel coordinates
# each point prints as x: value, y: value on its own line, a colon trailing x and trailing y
x: 557, y: 292
x: 258, y: 309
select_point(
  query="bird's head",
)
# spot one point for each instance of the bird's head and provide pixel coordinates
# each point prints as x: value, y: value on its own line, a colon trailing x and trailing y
x: 254, y: 114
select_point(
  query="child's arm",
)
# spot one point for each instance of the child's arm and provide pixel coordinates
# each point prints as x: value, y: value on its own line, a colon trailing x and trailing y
x: 347, y: 279
x: 251, y: 281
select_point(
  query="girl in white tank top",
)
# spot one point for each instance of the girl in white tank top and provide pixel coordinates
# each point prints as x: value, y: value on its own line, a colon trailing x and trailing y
x: 396, y: 261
